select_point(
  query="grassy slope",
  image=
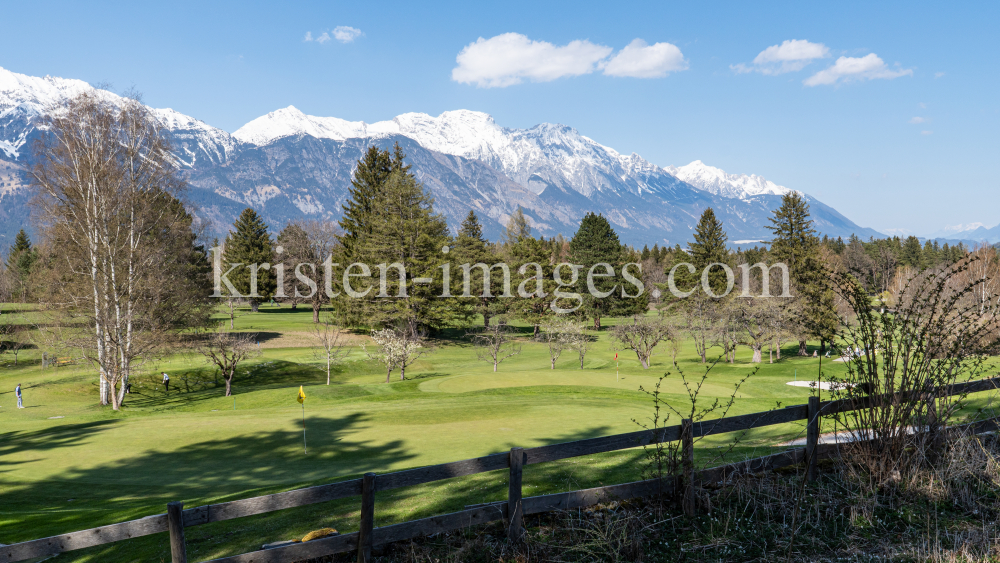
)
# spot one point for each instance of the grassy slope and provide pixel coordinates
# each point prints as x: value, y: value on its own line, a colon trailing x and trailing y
x: 94, y: 466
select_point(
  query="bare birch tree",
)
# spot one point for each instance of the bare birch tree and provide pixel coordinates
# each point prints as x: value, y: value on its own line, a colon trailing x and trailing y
x: 333, y: 349
x: 126, y: 261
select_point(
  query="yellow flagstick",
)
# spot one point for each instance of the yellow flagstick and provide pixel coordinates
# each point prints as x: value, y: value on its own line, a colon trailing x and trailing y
x: 302, y: 401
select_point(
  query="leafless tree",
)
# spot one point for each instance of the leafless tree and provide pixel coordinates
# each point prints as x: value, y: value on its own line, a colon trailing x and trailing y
x: 642, y: 336
x: 334, y: 350
x: 495, y: 342
x: 11, y: 335
x: 578, y: 340
x: 323, y: 242
x: 227, y: 350
x: 125, y: 259
x: 983, y: 274
x: 555, y: 333
x: 397, y: 348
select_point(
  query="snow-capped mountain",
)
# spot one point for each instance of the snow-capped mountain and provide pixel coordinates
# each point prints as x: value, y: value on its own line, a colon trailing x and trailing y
x: 23, y: 98
x: 718, y: 182
x: 290, y: 165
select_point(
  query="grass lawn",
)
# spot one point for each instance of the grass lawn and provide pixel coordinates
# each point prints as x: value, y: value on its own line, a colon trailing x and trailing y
x: 68, y: 464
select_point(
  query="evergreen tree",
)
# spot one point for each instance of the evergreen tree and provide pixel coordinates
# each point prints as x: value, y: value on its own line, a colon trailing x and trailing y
x: 363, y: 208
x: 394, y: 222
x: 20, y: 260
x: 795, y: 243
x: 596, y: 242
x: 910, y: 254
x: 645, y: 255
x: 929, y: 256
x: 251, y: 246
x: 472, y: 248
x: 709, y: 247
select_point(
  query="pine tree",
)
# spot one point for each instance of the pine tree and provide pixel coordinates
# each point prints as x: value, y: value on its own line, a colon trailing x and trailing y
x: 251, y: 246
x: 709, y: 247
x: 646, y: 254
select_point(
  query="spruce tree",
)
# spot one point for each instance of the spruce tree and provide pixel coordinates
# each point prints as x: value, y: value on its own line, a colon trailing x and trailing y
x: 910, y: 254
x: 795, y: 243
x: 596, y: 242
x: 363, y: 208
x: 20, y: 260
x: 250, y: 244
x: 471, y: 248
x: 709, y: 247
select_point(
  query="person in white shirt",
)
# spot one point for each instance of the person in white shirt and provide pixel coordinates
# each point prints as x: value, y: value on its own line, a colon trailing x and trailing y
x: 17, y: 393
x: 166, y: 382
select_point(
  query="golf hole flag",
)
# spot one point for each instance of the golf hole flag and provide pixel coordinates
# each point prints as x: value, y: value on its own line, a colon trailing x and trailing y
x: 302, y: 395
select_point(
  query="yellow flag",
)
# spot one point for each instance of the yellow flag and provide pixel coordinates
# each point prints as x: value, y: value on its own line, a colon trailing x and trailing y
x: 302, y: 395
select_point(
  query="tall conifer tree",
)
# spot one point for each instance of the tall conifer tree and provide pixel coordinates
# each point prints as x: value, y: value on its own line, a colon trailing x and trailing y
x: 250, y: 245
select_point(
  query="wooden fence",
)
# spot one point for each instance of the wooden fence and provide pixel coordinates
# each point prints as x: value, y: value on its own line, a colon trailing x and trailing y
x: 511, y: 511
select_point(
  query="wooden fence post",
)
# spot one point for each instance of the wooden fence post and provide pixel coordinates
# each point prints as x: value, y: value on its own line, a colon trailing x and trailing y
x: 367, y: 518
x: 515, y: 511
x: 687, y: 462
x: 812, y: 437
x: 175, y: 525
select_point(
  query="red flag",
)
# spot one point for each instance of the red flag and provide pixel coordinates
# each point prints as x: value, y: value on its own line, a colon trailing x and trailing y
x: 616, y: 355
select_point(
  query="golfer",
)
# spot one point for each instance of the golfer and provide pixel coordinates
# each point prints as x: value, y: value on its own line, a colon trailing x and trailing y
x: 166, y: 382
x: 17, y: 393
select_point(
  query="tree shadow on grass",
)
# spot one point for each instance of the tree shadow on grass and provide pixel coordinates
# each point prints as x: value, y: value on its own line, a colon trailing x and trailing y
x: 205, y: 472
x: 48, y: 439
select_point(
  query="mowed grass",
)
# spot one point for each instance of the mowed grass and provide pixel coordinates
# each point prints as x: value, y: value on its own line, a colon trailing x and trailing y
x: 68, y: 464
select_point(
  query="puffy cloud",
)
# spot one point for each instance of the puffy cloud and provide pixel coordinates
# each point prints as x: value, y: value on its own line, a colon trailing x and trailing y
x: 640, y: 60
x: 791, y: 56
x: 511, y: 58
x: 849, y: 69
x: 341, y: 33
x: 916, y: 120
x: 346, y: 34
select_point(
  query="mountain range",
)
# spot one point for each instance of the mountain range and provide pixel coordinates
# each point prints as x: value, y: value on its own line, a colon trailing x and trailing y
x: 289, y: 165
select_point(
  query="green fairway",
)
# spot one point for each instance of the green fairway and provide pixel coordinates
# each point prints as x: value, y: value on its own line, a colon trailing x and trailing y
x: 68, y: 464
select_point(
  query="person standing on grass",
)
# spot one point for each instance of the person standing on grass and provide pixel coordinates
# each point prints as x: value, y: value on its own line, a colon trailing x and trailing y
x: 166, y: 382
x: 17, y: 393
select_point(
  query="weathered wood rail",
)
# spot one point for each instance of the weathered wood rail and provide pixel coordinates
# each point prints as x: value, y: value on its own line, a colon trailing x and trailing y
x: 510, y: 511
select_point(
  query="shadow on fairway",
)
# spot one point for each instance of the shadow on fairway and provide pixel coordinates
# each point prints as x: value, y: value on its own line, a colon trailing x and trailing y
x: 211, y: 471
x: 48, y: 439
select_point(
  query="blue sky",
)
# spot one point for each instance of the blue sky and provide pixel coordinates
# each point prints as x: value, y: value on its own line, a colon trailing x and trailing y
x: 906, y: 139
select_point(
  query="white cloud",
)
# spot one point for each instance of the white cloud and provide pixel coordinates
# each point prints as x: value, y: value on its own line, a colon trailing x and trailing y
x: 916, y: 120
x: 511, y: 58
x: 938, y: 74
x: 640, y: 60
x: 346, y: 34
x: 341, y: 33
x: 849, y: 69
x: 792, y: 55
x: 926, y: 132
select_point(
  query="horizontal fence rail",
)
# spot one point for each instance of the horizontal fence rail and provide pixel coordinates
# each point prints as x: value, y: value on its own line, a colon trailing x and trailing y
x: 487, y: 513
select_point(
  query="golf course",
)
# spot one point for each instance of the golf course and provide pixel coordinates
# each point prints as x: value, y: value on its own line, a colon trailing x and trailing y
x: 68, y: 464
